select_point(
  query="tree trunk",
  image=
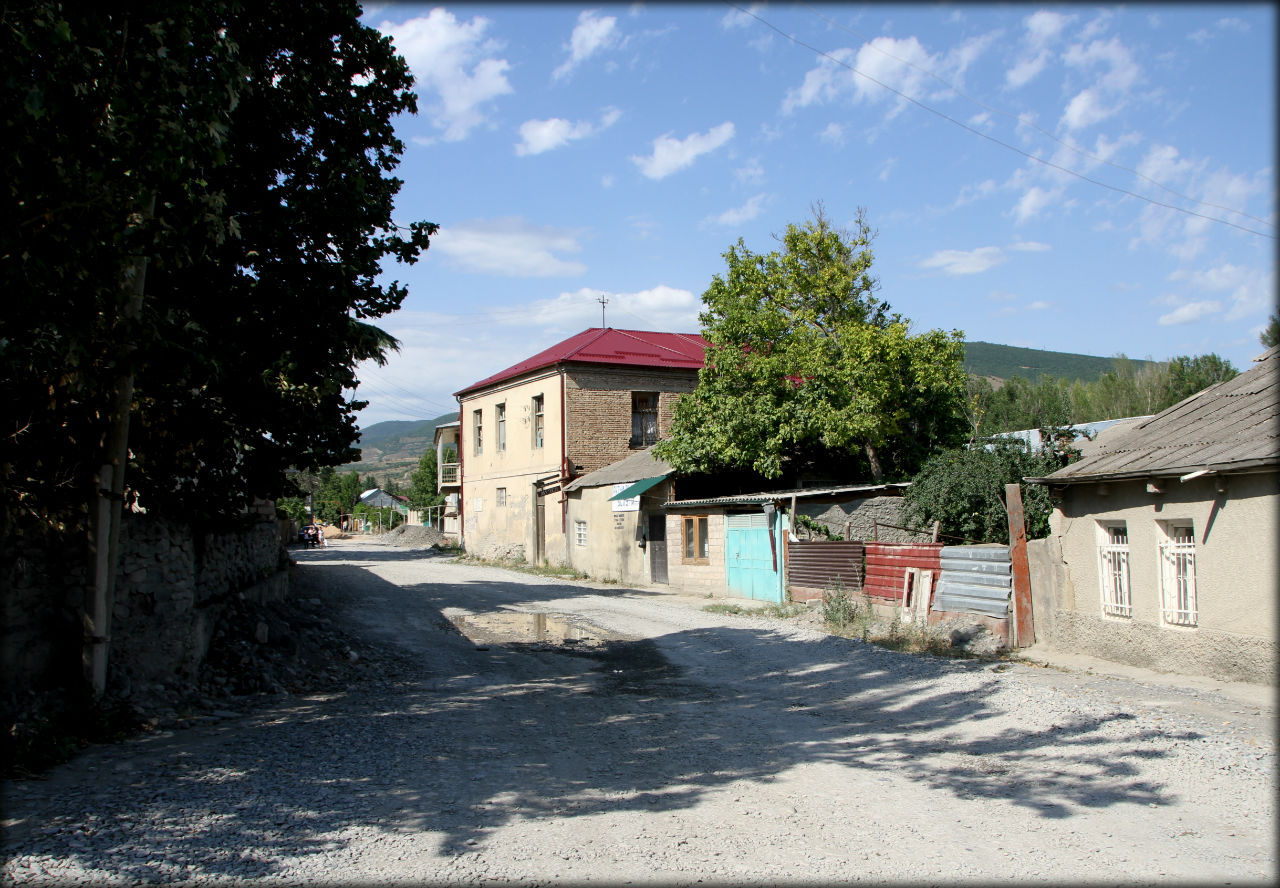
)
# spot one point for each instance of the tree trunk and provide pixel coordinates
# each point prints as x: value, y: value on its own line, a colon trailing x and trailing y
x: 110, y: 483
x: 877, y: 474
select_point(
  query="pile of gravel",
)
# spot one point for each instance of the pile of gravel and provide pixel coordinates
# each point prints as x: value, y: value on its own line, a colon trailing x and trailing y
x: 415, y: 536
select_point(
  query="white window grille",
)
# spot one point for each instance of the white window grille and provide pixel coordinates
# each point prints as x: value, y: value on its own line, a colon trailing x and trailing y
x: 1178, y: 574
x: 580, y: 532
x: 537, y: 420
x: 501, y: 413
x: 1113, y: 570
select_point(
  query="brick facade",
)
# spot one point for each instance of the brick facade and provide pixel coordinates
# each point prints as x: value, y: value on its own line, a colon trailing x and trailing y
x: 598, y: 410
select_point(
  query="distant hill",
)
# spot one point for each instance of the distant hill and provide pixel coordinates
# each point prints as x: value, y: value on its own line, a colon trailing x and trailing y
x: 393, y: 448
x: 1005, y: 361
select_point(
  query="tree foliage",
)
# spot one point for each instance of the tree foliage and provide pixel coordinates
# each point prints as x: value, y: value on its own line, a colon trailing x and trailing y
x: 1270, y: 335
x: 230, y: 163
x: 963, y: 489
x: 807, y: 366
x: 1125, y: 391
x: 424, y: 489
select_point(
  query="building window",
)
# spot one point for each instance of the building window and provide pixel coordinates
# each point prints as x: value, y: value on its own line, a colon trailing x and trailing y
x: 537, y: 422
x: 477, y: 432
x: 644, y: 419
x: 1113, y: 569
x: 580, y: 532
x: 1177, y: 572
x: 500, y: 498
x: 500, y: 413
x: 695, y: 539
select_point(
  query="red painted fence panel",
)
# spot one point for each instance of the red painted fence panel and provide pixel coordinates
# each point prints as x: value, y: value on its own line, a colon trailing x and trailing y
x: 888, y: 563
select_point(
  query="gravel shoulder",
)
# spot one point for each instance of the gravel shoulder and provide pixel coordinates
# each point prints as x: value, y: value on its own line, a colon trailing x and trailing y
x: 666, y: 745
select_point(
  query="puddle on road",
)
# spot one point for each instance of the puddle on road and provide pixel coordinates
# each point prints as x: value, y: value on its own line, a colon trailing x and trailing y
x: 508, y: 627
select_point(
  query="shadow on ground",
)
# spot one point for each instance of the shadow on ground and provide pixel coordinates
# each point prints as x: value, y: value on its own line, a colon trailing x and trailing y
x: 471, y: 739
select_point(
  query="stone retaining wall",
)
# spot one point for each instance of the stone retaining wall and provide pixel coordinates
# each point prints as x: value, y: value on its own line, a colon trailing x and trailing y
x: 170, y: 589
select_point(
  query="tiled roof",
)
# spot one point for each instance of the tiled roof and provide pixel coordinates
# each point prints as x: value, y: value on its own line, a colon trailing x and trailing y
x: 627, y: 348
x: 1231, y: 426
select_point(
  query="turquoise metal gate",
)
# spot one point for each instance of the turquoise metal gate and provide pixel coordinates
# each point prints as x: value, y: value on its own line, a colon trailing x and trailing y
x: 751, y: 562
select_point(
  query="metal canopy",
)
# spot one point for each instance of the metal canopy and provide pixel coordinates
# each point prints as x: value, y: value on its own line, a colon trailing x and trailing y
x: 638, y: 488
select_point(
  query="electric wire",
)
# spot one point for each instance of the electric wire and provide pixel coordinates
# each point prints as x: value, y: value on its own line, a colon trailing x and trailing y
x: 993, y: 139
x: 1026, y: 121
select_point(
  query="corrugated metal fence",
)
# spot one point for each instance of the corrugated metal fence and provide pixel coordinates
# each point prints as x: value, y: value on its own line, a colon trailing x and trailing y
x: 975, y: 580
x: 813, y: 566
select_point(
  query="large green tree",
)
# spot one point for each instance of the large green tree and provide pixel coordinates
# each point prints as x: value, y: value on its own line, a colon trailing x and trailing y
x: 807, y: 366
x: 199, y: 205
x: 423, y: 485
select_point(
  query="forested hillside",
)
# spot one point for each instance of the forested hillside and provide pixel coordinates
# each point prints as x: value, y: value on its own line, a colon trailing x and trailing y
x: 1006, y: 361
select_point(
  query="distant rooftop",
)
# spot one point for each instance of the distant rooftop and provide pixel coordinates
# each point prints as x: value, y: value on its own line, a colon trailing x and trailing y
x: 627, y: 348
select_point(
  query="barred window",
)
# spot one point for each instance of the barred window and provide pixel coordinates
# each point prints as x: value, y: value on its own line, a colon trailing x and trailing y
x: 1177, y: 572
x: 1113, y: 568
x: 580, y: 532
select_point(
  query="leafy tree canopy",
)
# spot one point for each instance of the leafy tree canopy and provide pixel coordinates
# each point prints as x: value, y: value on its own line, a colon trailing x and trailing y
x: 963, y: 489
x: 423, y: 486
x: 199, y: 201
x: 806, y: 366
x: 1270, y: 335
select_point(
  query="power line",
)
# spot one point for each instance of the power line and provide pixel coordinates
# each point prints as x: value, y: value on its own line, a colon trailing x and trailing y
x: 1031, y: 123
x: 993, y: 139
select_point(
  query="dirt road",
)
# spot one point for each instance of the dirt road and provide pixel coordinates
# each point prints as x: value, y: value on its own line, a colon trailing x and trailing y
x: 629, y: 736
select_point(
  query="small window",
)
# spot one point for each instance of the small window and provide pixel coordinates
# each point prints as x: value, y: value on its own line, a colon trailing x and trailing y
x: 1113, y: 569
x: 1177, y: 573
x: 580, y: 532
x: 695, y: 539
x: 644, y: 419
x: 500, y: 497
x: 500, y: 413
x: 477, y: 430
x: 537, y: 422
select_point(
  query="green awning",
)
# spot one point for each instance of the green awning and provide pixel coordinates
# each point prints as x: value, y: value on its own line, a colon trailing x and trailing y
x: 638, y: 488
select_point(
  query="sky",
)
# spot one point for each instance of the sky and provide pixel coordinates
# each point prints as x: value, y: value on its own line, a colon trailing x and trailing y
x: 1088, y: 179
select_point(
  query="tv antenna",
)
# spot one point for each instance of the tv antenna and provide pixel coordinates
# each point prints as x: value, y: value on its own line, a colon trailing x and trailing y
x: 603, y: 300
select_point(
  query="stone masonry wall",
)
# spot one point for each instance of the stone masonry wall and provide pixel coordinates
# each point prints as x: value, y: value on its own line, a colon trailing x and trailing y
x: 598, y: 410
x: 170, y: 589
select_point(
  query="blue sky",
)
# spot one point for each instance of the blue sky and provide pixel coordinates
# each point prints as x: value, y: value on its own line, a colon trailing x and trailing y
x: 1087, y: 179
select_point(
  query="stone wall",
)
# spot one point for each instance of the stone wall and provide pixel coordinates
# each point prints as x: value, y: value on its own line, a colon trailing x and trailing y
x: 861, y: 516
x: 170, y: 589
x: 598, y: 410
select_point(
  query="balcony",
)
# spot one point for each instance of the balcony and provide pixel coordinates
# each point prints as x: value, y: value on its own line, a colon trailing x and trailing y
x: 449, y: 474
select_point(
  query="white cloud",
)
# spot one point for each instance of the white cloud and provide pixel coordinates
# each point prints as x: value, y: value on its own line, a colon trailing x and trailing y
x: 832, y: 135
x: 736, y: 18
x: 957, y: 262
x: 508, y: 246
x: 538, y: 136
x: 745, y: 213
x: 1192, y: 311
x: 672, y: 155
x: 1043, y: 28
x: 1252, y: 290
x: 1119, y: 74
x: 1030, y: 247
x: 606, y: 181
x: 658, y: 308
x: 453, y: 61
x: 1033, y: 200
x: 750, y: 173
x: 592, y: 34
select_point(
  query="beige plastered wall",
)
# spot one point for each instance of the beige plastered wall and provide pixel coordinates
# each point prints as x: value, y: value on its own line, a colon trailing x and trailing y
x: 694, y: 578
x: 613, y: 550
x: 1236, y: 576
x: 491, y: 530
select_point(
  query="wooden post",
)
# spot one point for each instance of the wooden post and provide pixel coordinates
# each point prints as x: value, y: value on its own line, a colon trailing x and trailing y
x: 937, y: 528
x: 1023, y: 625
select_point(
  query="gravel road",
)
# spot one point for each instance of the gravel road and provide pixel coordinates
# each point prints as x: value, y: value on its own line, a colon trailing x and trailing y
x: 659, y: 744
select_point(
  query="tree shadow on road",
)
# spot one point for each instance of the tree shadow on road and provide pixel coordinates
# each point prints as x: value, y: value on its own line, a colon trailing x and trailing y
x: 464, y: 740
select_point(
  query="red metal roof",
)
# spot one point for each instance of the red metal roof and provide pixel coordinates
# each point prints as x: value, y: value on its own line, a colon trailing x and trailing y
x: 628, y: 348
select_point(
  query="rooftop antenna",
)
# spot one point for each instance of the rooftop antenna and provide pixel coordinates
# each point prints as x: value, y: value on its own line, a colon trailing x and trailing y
x: 603, y: 300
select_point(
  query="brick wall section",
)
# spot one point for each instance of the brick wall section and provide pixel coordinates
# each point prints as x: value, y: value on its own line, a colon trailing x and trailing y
x: 598, y: 408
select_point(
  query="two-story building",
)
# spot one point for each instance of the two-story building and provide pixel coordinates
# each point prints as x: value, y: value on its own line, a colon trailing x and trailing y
x: 526, y: 432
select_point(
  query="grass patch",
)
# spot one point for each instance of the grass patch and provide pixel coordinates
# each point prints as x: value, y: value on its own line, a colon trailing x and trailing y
x: 52, y: 730
x: 555, y: 571
x: 777, y: 611
x: 852, y: 616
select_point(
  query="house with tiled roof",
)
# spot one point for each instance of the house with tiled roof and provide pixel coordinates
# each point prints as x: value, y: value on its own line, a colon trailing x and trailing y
x: 1164, y: 536
x: 526, y: 432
